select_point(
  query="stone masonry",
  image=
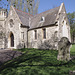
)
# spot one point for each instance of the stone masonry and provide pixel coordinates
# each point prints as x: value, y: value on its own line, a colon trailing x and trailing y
x: 43, y: 31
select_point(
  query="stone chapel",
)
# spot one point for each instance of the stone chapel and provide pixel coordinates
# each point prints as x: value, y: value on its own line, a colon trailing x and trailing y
x: 19, y: 29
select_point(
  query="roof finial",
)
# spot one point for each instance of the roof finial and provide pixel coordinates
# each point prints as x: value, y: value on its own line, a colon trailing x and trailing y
x: 62, y: 4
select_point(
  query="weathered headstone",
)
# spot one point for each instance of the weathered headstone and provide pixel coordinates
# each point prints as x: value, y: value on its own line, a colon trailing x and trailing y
x: 64, y: 49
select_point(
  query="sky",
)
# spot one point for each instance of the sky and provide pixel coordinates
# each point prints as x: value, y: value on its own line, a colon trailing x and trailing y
x: 49, y: 4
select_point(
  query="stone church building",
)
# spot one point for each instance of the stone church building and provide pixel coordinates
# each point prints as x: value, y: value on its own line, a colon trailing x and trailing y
x: 22, y: 30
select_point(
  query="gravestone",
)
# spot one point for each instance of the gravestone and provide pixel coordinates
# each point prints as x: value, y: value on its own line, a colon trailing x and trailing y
x: 64, y: 49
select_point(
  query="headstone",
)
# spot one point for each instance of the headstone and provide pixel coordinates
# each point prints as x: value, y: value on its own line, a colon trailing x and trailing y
x: 64, y: 49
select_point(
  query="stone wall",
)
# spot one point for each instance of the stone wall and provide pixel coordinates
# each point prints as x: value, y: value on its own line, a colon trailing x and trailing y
x: 2, y: 38
x: 49, y: 43
x: 2, y: 28
x: 15, y: 29
x: 63, y: 23
x: 53, y: 33
x: 23, y: 41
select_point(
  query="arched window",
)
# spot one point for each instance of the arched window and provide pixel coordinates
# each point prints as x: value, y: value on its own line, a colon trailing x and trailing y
x: 35, y: 34
x: 55, y: 33
x: 44, y: 33
x: 11, y: 23
x: 22, y: 35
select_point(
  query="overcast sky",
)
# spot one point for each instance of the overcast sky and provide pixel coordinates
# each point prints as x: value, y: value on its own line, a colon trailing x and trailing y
x: 49, y: 4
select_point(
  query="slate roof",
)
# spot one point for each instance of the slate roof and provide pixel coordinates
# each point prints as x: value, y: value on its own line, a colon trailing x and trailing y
x: 35, y: 21
x: 50, y: 17
x: 24, y: 17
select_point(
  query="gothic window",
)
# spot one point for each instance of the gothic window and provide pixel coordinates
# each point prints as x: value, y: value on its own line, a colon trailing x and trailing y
x: 11, y: 23
x: 22, y: 35
x: 35, y: 34
x: 55, y: 35
x: 44, y: 33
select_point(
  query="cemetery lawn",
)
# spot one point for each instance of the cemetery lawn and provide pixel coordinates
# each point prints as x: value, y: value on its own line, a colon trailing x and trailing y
x: 73, y: 50
x: 38, y: 62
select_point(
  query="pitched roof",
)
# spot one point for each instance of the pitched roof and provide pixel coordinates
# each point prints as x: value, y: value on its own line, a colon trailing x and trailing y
x: 50, y: 17
x: 35, y: 21
x: 24, y: 17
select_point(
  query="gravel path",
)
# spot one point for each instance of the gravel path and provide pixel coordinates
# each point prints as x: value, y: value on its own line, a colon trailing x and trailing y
x: 6, y: 55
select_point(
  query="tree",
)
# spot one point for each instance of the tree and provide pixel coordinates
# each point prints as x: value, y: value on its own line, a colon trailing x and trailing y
x: 29, y: 6
x: 32, y: 6
x: 71, y: 17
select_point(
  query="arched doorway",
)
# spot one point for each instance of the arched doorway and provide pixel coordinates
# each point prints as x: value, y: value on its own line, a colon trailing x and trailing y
x: 11, y: 40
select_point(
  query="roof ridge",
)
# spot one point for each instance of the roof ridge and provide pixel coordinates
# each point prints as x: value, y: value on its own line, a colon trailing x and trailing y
x: 46, y: 11
x: 23, y: 12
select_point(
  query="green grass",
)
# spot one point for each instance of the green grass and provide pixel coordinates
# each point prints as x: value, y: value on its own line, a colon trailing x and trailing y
x: 38, y: 62
x: 73, y: 50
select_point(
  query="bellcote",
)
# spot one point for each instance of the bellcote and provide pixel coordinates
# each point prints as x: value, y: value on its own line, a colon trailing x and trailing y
x: 3, y: 14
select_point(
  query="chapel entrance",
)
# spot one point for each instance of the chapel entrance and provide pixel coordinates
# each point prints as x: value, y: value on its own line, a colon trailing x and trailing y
x: 11, y: 40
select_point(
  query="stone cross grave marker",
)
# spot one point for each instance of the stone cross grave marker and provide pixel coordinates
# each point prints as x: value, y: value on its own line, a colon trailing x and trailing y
x: 64, y: 49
